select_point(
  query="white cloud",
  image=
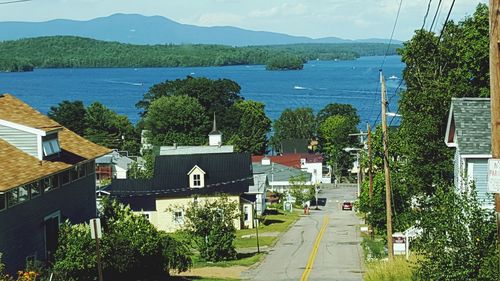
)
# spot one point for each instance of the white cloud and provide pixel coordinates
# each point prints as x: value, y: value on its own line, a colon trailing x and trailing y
x: 284, y: 9
x: 211, y: 19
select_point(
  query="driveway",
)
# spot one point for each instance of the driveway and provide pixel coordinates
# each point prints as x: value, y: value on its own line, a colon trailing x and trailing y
x: 324, y: 245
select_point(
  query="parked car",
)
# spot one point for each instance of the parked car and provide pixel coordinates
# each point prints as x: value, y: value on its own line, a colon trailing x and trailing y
x: 347, y: 206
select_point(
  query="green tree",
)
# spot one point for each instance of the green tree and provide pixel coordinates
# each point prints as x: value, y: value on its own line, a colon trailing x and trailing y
x: 456, y: 66
x: 332, y: 109
x: 334, y: 138
x: 70, y: 115
x: 216, y: 96
x: 211, y: 224
x: 251, y: 135
x: 177, y: 119
x: 296, y: 123
x: 300, y: 190
x: 105, y: 127
x: 285, y: 62
x: 458, y: 241
x: 131, y: 248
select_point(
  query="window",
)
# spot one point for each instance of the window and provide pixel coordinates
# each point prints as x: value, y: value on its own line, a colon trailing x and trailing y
x: 197, y: 180
x: 34, y: 189
x: 24, y: 193
x: 73, y: 173
x: 245, y: 211
x: 13, y: 197
x: 64, y: 177
x: 90, y: 167
x: 179, y: 217
x: 50, y: 147
x: 3, y: 203
x: 81, y: 171
x: 55, y: 181
x: 46, y: 184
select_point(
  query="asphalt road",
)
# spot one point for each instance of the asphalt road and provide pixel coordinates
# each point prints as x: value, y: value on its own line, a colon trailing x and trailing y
x: 322, y: 246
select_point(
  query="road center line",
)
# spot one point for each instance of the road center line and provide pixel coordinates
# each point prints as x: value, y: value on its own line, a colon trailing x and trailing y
x: 312, y: 256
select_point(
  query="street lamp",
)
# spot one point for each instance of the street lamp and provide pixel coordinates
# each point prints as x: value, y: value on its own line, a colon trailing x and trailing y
x: 357, y: 150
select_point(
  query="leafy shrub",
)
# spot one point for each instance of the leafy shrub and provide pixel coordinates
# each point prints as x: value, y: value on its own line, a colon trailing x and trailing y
x: 131, y: 248
x: 211, y: 224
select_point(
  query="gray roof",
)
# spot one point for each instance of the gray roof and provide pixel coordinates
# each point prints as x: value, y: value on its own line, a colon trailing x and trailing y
x: 279, y: 172
x: 188, y: 150
x: 472, y: 117
x: 116, y: 159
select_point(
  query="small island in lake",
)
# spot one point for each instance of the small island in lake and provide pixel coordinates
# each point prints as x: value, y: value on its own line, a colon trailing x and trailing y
x: 285, y: 62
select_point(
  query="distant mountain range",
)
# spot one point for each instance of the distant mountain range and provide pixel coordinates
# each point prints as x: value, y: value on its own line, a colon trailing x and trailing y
x: 139, y: 29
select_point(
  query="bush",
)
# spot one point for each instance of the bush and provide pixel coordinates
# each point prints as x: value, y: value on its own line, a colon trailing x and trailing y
x: 131, y: 248
x: 211, y: 224
x: 459, y: 238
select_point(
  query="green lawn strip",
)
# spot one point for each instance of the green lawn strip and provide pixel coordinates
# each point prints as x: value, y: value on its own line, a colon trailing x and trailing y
x: 278, y: 222
x: 242, y: 260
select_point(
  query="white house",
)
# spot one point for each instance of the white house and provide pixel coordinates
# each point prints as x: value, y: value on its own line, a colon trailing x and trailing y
x: 469, y: 133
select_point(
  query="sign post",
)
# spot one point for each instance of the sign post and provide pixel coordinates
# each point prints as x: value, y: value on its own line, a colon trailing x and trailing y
x: 494, y: 175
x: 96, y: 233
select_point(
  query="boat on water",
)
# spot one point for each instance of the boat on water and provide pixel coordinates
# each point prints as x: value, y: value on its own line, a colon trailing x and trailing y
x: 393, y: 77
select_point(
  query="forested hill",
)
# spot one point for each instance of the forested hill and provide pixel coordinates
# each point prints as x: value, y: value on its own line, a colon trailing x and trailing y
x: 70, y: 51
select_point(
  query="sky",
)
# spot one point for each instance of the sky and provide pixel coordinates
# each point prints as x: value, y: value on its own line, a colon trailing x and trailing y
x: 348, y: 19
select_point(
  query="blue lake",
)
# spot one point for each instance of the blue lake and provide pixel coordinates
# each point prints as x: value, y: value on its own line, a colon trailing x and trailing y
x: 319, y: 83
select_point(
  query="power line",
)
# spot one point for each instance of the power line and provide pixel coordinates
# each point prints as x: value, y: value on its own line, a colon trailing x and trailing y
x: 435, y: 15
x: 446, y: 21
x: 392, y: 35
x: 14, y: 1
x: 426, y: 14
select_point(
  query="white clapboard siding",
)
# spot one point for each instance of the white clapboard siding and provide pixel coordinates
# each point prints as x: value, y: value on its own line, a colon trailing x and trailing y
x: 24, y: 141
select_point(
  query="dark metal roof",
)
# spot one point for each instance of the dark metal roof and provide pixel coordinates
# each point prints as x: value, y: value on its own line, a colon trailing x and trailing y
x: 229, y: 173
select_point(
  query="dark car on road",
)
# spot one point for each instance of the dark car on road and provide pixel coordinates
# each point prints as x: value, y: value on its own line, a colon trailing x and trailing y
x: 347, y: 206
x: 321, y: 201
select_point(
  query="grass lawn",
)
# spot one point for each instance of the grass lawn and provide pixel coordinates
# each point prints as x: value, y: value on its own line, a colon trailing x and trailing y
x: 242, y: 260
x: 275, y: 221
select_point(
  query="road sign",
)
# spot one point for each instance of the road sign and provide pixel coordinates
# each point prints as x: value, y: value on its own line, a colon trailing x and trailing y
x: 95, y: 226
x: 494, y: 175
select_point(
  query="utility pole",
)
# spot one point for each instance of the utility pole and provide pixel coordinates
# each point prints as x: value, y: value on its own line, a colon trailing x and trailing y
x: 370, y: 171
x: 388, y: 204
x: 495, y: 97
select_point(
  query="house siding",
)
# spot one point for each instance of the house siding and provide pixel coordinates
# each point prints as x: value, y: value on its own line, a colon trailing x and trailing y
x: 22, y: 231
x: 24, y: 141
x: 480, y: 177
x: 163, y: 218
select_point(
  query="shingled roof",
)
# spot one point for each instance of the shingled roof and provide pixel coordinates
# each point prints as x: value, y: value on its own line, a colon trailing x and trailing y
x: 229, y: 173
x: 469, y: 125
x: 19, y: 167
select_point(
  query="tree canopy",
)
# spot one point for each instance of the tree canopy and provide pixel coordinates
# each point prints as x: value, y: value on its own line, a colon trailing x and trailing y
x: 177, y: 119
x: 72, y: 51
x: 254, y: 125
x: 436, y: 71
x: 70, y: 114
x: 296, y: 123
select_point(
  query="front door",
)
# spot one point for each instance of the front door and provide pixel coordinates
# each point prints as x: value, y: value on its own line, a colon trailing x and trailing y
x: 51, y: 236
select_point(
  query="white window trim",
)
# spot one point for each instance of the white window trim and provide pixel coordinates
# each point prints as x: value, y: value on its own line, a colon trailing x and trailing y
x: 177, y: 220
x: 196, y: 171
